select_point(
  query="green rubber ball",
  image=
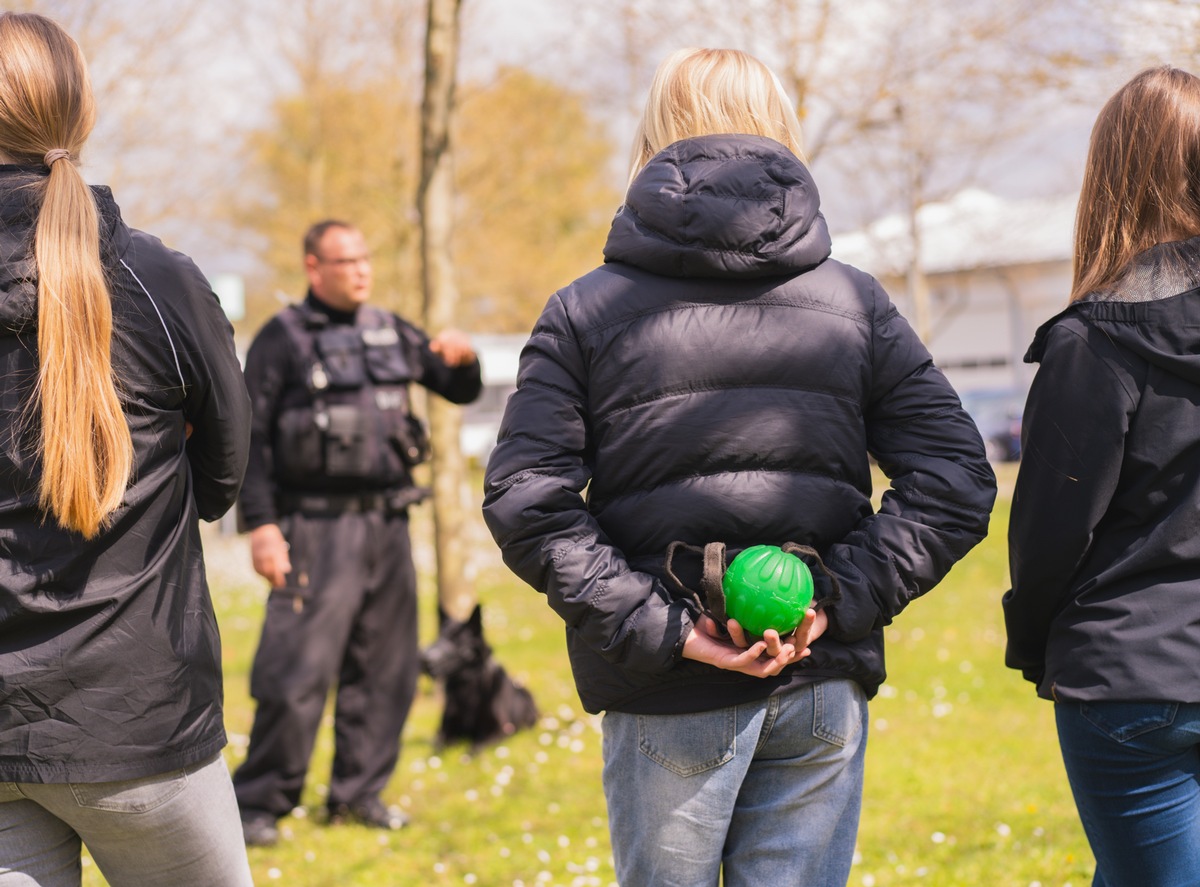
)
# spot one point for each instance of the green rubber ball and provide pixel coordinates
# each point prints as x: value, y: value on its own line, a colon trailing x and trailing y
x: 765, y: 587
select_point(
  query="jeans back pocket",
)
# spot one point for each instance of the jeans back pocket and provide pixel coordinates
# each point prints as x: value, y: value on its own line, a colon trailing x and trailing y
x: 130, y: 795
x: 690, y: 743
x: 1123, y: 721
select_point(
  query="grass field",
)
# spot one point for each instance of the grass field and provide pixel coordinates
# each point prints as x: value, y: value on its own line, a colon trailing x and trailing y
x: 964, y: 783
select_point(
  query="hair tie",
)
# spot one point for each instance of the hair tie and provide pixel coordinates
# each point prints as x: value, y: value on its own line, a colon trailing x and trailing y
x: 55, y: 154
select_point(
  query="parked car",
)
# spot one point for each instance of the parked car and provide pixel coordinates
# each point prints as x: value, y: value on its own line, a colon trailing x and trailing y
x: 997, y: 413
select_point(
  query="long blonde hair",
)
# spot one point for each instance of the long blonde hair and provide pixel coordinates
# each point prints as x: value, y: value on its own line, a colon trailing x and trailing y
x: 700, y: 92
x: 1141, y: 185
x: 46, y: 109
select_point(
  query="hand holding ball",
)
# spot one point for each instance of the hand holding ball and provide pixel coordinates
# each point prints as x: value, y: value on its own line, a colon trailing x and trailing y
x: 765, y: 587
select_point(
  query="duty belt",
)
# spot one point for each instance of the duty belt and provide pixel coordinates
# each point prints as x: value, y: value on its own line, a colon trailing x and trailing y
x: 322, y: 504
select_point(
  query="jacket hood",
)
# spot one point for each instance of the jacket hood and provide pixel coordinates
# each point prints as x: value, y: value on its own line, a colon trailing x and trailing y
x: 20, y: 199
x: 1152, y: 310
x: 721, y: 206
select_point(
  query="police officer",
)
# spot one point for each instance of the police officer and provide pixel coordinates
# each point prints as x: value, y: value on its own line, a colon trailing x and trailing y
x: 326, y: 501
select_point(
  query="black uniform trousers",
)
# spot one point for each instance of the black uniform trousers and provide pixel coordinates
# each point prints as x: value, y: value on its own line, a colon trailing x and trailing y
x: 347, y: 614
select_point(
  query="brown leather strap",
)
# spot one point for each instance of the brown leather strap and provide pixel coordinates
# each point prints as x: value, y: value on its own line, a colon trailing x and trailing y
x: 797, y: 549
x: 710, y: 580
x: 711, y: 597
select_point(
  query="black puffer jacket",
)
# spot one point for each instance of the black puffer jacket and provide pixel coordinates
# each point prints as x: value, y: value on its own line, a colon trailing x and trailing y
x: 110, y: 661
x: 721, y: 379
x: 1104, y: 539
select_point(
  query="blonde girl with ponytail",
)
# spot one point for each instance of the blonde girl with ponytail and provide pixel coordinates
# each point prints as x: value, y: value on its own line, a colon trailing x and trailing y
x: 86, y: 450
x: 112, y: 349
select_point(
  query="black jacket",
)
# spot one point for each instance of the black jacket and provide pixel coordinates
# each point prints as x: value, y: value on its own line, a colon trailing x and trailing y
x: 1104, y: 539
x: 110, y: 664
x: 277, y: 376
x: 719, y: 378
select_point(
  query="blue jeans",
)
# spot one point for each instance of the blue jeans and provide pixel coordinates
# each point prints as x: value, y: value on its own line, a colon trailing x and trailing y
x: 767, y: 792
x: 178, y: 829
x: 1134, y: 768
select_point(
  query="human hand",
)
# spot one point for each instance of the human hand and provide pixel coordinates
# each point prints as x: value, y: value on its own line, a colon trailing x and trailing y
x: 708, y: 643
x: 814, y: 625
x: 453, y: 347
x: 269, y: 554
x: 770, y: 637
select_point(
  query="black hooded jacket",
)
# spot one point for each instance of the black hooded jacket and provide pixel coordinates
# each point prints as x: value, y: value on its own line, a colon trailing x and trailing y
x: 110, y: 664
x: 1104, y: 539
x: 721, y: 379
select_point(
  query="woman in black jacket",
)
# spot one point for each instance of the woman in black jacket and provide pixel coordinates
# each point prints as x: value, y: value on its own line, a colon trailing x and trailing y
x: 123, y: 419
x: 720, y: 380
x: 1104, y: 611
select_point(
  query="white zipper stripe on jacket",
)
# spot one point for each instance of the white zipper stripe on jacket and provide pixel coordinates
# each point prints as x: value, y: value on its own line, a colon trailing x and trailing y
x: 170, y: 341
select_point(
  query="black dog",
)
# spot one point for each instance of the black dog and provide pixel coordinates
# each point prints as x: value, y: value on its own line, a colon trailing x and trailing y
x: 483, y: 704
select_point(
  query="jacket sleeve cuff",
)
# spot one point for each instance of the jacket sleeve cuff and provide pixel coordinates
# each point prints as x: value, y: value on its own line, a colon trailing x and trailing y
x: 687, y: 623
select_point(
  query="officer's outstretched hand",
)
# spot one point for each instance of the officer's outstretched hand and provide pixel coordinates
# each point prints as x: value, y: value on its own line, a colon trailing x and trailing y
x: 454, y: 347
x: 269, y: 553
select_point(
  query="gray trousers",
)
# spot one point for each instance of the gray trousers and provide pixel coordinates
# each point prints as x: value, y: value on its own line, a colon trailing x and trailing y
x: 177, y: 829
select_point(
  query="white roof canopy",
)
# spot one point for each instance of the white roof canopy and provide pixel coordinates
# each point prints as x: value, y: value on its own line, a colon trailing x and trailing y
x: 973, y: 229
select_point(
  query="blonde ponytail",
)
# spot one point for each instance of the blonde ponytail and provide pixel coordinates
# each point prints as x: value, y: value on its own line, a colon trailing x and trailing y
x: 46, y: 113
x: 87, y: 452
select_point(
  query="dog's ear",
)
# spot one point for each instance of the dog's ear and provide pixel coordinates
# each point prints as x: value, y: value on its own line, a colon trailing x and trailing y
x: 476, y: 620
x: 443, y: 616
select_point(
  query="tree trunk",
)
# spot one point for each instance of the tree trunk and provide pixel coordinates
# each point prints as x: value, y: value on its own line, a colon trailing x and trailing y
x: 435, y: 200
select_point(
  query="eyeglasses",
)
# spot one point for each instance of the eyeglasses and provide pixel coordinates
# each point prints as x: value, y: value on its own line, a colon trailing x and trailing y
x: 345, y: 262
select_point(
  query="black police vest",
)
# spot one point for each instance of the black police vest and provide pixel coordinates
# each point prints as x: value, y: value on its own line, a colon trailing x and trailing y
x: 355, y: 425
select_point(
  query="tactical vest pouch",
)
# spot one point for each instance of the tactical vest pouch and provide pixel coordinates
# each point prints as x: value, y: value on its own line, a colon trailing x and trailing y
x: 412, y: 440
x: 340, y: 350
x: 347, y: 445
x: 299, y: 445
x: 385, y: 357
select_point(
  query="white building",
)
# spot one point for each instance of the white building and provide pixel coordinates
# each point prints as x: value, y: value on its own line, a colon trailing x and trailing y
x: 995, y: 270
x: 498, y: 359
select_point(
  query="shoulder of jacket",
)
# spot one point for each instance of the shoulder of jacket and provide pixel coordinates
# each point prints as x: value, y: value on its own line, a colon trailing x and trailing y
x: 171, y: 279
x: 1070, y: 322
x: 147, y: 252
x: 287, y: 326
x: 603, y: 278
x: 853, y: 280
x: 840, y: 289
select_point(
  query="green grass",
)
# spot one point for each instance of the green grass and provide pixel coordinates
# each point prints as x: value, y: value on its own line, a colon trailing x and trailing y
x: 964, y: 783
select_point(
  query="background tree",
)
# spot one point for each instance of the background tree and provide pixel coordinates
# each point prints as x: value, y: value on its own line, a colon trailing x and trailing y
x: 344, y: 151
x: 536, y: 197
x: 435, y: 203
x: 947, y: 92
x: 338, y: 139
